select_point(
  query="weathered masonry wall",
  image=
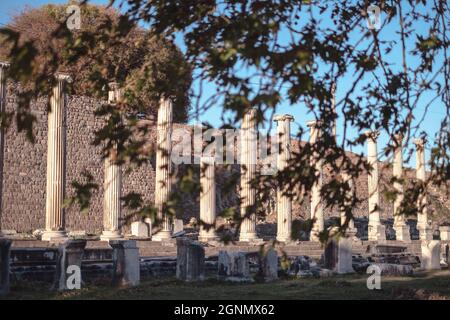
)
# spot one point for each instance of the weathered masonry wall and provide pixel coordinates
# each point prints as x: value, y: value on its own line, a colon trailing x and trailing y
x: 23, y: 206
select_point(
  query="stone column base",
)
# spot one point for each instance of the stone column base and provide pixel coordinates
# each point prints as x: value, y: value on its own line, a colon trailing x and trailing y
x: 284, y: 239
x: 54, y: 236
x: 249, y: 237
x: 425, y: 233
x: 402, y: 233
x: 377, y: 233
x: 110, y: 235
x: 162, y: 235
x: 208, y: 238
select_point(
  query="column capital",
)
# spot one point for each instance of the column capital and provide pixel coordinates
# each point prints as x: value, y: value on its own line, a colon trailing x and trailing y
x: 61, y: 76
x: 283, y: 117
x: 115, y: 92
x: 372, y: 134
x: 4, y: 64
x: 314, y: 123
x: 398, y: 137
x: 419, y: 142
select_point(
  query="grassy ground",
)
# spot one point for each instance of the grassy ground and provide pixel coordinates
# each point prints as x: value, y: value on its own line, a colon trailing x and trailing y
x: 434, y: 285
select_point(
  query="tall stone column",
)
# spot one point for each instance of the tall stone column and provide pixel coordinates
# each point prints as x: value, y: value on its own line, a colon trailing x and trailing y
x: 347, y: 178
x: 112, y: 183
x: 316, y: 203
x: 163, y: 185
x: 3, y: 69
x: 376, y: 231
x: 56, y: 162
x: 248, y: 173
x: 400, y: 226
x: 284, y: 204
x: 207, y: 200
x: 425, y: 231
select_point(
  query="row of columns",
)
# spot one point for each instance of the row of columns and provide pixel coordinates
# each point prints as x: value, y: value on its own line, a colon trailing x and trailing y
x: 55, y: 192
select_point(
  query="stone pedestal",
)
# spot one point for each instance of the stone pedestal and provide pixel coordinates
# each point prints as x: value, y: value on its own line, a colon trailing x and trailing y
x: 431, y: 255
x: 233, y: 266
x: 345, y: 245
x: 178, y: 227
x: 284, y: 203
x: 163, y: 184
x: 190, y: 260
x: 126, y: 267
x: 269, y: 265
x: 249, y: 148
x: 207, y: 200
x: 338, y: 253
x: 5, y: 250
x: 376, y: 231
x: 70, y: 253
x: 400, y: 226
x: 316, y: 203
x: 445, y: 233
x: 3, y: 71
x: 56, y: 162
x: 141, y: 229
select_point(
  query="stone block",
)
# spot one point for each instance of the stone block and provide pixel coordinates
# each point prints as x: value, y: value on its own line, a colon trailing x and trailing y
x: 445, y: 233
x: 190, y: 260
x: 141, y: 229
x: 5, y: 251
x: 269, y: 265
x: 344, y: 262
x: 377, y: 233
x: 402, y: 233
x: 70, y: 254
x: 431, y: 255
x: 126, y: 267
x: 178, y: 226
x: 233, y: 265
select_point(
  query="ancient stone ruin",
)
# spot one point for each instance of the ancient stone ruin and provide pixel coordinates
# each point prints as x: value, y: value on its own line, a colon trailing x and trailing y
x: 123, y: 249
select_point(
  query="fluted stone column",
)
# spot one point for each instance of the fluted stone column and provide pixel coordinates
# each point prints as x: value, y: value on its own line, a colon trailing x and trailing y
x: 248, y: 173
x: 376, y: 231
x: 425, y: 231
x: 3, y: 69
x: 316, y: 203
x: 207, y: 200
x: 400, y: 226
x: 112, y: 184
x: 163, y: 184
x: 347, y: 178
x: 56, y: 162
x: 284, y: 204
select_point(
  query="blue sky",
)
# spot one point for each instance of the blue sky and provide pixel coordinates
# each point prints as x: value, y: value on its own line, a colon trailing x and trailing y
x: 213, y: 116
